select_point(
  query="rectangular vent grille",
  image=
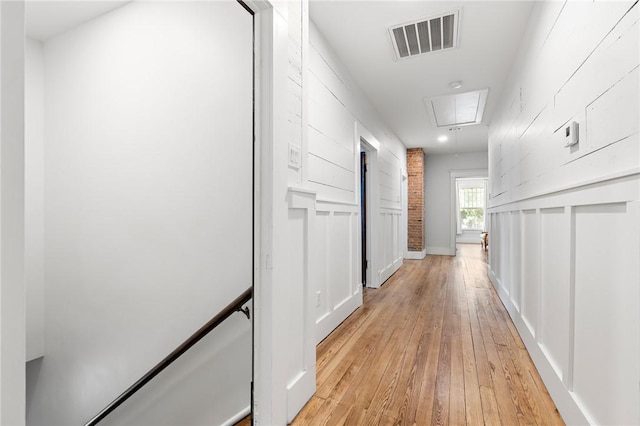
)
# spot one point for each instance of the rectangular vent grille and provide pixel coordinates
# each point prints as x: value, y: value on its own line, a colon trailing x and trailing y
x: 427, y: 35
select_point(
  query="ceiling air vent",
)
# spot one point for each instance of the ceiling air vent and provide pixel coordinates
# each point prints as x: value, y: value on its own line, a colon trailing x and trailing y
x: 426, y: 35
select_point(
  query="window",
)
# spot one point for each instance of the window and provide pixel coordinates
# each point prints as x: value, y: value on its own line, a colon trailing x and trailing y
x: 472, y: 202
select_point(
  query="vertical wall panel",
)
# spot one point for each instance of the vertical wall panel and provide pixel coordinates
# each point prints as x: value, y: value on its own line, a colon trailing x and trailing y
x: 318, y: 264
x: 607, y: 313
x: 296, y: 259
x: 505, y: 250
x: 530, y: 270
x: 494, y: 244
x: 579, y: 317
x: 339, y: 258
x: 514, y: 255
x: 555, y: 286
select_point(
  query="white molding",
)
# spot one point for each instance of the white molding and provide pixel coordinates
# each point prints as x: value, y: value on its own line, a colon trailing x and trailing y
x: 416, y: 255
x: 439, y: 251
x: 238, y: 416
x: 264, y: 51
x: 570, y: 409
x: 565, y: 189
x: 299, y: 392
x: 372, y: 146
x: 303, y: 386
x: 12, y: 192
x: 331, y: 320
x: 322, y: 206
x: 624, y: 188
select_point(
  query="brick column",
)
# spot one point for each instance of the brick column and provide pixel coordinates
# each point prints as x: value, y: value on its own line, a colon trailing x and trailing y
x: 415, y: 202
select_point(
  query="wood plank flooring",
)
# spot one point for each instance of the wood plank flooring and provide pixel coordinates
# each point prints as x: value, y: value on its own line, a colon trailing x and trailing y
x: 434, y: 346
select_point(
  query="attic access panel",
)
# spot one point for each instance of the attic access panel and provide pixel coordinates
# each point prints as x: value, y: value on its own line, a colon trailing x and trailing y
x: 425, y: 35
x: 460, y: 109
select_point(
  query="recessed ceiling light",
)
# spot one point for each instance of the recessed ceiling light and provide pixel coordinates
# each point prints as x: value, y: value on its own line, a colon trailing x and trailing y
x: 442, y: 139
x: 455, y: 84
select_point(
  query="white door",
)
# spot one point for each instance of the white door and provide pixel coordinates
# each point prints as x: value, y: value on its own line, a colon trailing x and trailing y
x: 148, y: 206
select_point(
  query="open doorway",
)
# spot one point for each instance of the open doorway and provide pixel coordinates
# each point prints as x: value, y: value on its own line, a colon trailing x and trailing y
x: 363, y: 215
x: 470, y: 214
x: 367, y: 163
x: 468, y: 195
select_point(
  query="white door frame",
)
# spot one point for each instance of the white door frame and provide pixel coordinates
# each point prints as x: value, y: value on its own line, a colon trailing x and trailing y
x: 12, y: 190
x: 453, y: 175
x: 366, y: 141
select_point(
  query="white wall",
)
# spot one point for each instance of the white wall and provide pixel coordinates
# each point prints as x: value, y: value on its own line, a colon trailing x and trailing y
x: 142, y: 242
x: 34, y: 198
x: 564, y: 233
x: 339, y: 116
x: 12, y: 187
x: 439, y: 216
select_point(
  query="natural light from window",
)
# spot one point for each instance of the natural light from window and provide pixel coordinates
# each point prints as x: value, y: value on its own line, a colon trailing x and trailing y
x: 471, y: 204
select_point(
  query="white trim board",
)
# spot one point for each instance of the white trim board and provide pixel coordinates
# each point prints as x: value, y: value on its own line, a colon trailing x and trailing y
x: 439, y: 251
x: 416, y: 255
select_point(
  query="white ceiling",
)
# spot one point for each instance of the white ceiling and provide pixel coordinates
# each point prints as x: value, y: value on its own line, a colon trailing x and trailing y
x: 47, y: 18
x: 490, y: 33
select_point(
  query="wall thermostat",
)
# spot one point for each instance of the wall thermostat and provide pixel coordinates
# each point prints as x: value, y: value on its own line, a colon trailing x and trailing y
x: 571, y: 134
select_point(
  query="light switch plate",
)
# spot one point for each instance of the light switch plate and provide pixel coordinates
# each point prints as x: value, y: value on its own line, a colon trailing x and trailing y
x: 295, y: 159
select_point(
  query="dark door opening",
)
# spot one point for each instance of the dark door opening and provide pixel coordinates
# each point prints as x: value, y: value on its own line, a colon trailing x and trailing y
x: 363, y: 214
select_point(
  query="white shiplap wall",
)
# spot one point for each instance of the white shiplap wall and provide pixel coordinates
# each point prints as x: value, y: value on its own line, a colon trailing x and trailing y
x: 565, y: 239
x: 339, y: 115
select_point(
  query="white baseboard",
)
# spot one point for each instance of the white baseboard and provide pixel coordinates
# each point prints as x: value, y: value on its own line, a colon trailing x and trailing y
x: 299, y: 391
x: 330, y: 321
x: 564, y: 399
x: 238, y: 416
x: 416, y: 255
x: 440, y: 251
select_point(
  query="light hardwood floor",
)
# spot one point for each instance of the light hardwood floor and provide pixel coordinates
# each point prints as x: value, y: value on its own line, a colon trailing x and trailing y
x: 433, y: 345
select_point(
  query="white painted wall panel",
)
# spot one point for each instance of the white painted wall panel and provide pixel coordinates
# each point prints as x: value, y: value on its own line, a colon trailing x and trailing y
x: 554, y: 301
x: 515, y: 260
x: 323, y: 147
x: 578, y: 61
x: 504, y: 243
x: 334, y: 268
x: 616, y: 42
x: 340, y: 259
x: 34, y: 198
x: 319, y: 265
x: 297, y: 261
x: 327, y: 114
x: 610, y: 118
x: 337, y: 110
x: 324, y: 172
x: 607, y: 299
x: 530, y: 263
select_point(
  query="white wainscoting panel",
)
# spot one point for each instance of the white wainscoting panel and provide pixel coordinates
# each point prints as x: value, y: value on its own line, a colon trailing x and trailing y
x: 579, y: 293
x: 554, y: 332
x: 300, y: 343
x: 607, y: 362
x: 335, y: 266
x: 530, y: 270
x: 392, y: 253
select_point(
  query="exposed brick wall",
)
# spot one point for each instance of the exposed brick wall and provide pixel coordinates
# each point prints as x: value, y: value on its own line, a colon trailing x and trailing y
x: 415, y: 171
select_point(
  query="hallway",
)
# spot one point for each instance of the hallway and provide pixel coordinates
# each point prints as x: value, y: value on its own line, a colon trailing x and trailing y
x: 434, y: 345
